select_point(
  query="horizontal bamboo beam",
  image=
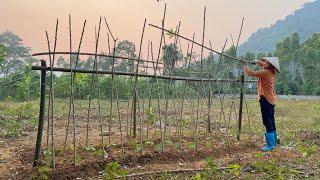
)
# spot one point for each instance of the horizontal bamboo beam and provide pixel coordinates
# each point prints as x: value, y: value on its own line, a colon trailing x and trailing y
x: 91, y: 54
x: 120, y: 73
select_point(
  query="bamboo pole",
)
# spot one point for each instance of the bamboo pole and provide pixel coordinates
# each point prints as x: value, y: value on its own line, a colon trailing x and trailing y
x: 162, y: 38
x: 241, y: 89
x: 93, y: 54
x: 41, y: 115
x: 135, y: 84
x: 52, y: 93
x: 120, y: 124
x: 112, y: 77
x: 169, y: 87
x: 158, y: 97
x: 74, y: 74
x: 176, y: 78
x: 205, y: 47
x: 96, y: 65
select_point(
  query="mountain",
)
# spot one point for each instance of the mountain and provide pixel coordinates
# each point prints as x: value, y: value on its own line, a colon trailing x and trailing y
x: 305, y: 21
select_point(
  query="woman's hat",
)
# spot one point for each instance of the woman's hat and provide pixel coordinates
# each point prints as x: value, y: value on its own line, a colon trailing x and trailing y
x: 274, y: 61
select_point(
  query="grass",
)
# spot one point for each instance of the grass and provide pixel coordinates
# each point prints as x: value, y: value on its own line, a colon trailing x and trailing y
x: 15, y: 117
x: 294, y: 118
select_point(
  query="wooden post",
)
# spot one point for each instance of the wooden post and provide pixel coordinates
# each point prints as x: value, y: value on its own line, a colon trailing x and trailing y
x: 241, y: 106
x: 41, y: 115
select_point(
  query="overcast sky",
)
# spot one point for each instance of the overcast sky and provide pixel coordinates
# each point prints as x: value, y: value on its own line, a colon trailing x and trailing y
x: 30, y: 18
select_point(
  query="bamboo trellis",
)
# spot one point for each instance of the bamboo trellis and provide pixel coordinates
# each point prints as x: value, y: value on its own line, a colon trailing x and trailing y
x: 172, y: 106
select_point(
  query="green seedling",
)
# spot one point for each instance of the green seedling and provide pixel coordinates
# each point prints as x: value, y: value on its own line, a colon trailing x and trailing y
x: 44, y: 172
x: 113, y: 170
x: 234, y: 169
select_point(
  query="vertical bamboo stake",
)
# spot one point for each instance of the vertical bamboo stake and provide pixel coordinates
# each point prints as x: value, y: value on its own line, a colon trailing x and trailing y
x: 120, y: 124
x: 52, y: 99
x: 157, y: 82
x: 221, y: 99
x: 209, y: 109
x: 169, y: 87
x: 240, y: 108
x: 140, y: 123
x: 172, y: 83
x: 112, y: 78
x: 195, y: 135
x: 112, y: 90
x: 51, y: 93
x: 162, y: 33
x: 149, y: 105
x: 149, y: 92
x: 89, y: 109
x: 197, y: 116
x: 96, y: 63
x: 93, y: 86
x: 72, y: 95
x: 48, y: 114
x: 229, y: 120
x: 241, y: 89
x: 135, y: 84
x: 74, y: 74
x: 71, y: 82
x: 158, y: 97
x: 128, y: 117
x: 166, y: 111
x: 182, y: 100
x: 248, y: 117
x: 203, y: 34
x: 201, y: 62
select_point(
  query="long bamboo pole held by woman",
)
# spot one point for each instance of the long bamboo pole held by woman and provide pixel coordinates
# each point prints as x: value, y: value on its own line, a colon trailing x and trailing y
x: 199, y: 44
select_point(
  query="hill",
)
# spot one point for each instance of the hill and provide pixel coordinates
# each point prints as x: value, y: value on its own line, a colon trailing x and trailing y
x: 305, y: 21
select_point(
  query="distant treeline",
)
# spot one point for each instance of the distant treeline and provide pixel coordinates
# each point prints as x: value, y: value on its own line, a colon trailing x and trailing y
x: 300, y: 63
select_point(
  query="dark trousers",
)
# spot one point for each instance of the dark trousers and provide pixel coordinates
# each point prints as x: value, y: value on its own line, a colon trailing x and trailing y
x: 267, y: 111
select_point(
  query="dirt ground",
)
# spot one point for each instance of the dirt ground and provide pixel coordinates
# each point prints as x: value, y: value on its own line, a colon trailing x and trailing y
x: 293, y: 158
x: 17, y: 157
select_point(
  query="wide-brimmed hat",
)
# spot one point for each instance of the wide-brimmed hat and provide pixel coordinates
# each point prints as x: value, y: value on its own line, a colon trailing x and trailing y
x: 274, y: 61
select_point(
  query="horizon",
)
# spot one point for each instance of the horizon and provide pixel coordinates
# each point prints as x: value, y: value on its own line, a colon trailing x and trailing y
x: 13, y: 14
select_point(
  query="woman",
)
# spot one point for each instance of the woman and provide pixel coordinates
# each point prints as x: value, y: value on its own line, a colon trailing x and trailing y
x: 267, y: 96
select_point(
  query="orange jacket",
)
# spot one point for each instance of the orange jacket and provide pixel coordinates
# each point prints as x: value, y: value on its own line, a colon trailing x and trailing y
x: 266, y: 81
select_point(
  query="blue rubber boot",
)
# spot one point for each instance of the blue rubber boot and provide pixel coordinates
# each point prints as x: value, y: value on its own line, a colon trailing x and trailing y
x: 271, y: 142
x: 276, y: 138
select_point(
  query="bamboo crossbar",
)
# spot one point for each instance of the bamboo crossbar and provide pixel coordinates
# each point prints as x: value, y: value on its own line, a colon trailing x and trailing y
x: 92, y: 54
x: 120, y: 73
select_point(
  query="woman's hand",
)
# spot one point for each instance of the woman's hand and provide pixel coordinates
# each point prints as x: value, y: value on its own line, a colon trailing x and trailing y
x: 261, y: 63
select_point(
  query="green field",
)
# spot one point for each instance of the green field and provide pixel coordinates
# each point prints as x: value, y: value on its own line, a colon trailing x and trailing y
x: 194, y: 151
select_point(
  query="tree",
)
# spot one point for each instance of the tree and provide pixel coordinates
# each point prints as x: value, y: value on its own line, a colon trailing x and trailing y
x: 3, y: 53
x: 62, y: 63
x: 310, y: 56
x: 170, y: 57
x: 288, y: 51
x: 250, y: 56
x: 89, y: 63
x: 126, y: 49
x: 231, y: 65
x: 15, y: 53
x: 105, y: 63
